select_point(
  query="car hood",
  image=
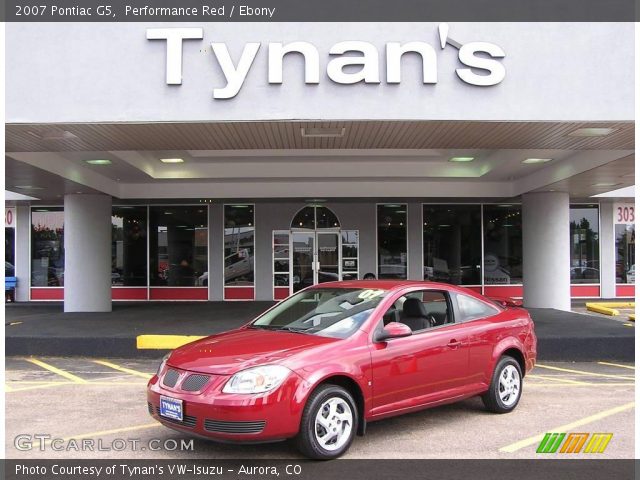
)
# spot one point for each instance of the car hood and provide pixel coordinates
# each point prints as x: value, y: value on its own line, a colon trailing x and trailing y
x: 229, y: 352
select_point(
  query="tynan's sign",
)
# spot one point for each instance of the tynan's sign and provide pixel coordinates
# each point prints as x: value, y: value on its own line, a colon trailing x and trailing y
x: 341, y: 68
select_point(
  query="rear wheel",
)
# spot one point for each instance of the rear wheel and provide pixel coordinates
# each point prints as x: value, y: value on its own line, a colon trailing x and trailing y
x: 506, y: 386
x: 329, y: 423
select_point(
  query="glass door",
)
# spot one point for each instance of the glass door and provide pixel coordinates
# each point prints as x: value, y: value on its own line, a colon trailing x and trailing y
x: 303, y: 256
x: 328, y: 257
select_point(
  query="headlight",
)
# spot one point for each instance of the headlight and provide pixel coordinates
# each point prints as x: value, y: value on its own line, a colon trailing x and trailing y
x: 257, y: 379
x: 163, y: 363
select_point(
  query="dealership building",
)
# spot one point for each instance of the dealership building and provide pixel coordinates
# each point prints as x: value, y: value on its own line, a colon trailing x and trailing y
x: 239, y: 162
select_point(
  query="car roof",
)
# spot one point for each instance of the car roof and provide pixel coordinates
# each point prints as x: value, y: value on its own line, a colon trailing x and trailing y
x: 386, y: 284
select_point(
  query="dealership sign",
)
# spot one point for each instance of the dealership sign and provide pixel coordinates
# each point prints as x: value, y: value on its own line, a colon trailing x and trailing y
x: 349, y: 62
x: 10, y: 217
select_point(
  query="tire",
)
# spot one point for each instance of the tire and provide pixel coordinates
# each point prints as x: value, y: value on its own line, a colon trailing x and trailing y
x: 496, y: 399
x: 331, y: 399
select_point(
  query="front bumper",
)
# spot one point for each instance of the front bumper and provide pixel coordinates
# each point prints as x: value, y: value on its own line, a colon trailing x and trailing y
x: 234, y: 418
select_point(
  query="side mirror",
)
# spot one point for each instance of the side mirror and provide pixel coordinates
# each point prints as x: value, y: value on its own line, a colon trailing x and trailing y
x: 393, y: 330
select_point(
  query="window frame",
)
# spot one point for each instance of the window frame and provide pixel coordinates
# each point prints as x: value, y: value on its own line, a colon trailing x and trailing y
x: 459, y: 310
x: 452, y: 307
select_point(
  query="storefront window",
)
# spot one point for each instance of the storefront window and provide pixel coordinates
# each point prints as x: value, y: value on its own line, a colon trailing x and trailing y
x: 239, y: 233
x: 452, y: 244
x: 502, y: 244
x: 392, y: 241
x: 129, y: 246
x: 625, y: 253
x: 584, y: 244
x: 9, y: 251
x: 178, y: 250
x: 47, y: 247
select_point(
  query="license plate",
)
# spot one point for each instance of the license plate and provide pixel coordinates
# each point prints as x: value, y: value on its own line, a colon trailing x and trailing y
x: 171, y: 408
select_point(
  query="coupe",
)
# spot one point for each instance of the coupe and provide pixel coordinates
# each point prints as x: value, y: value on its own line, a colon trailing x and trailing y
x: 320, y: 365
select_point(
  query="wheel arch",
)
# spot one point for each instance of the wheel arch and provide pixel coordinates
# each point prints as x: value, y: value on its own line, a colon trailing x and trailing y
x: 352, y: 386
x: 516, y: 354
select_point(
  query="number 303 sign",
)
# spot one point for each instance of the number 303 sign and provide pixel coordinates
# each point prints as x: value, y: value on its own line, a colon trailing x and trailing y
x: 624, y: 213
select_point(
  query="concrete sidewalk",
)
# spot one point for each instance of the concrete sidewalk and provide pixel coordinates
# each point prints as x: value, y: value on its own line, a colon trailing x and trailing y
x: 39, y: 329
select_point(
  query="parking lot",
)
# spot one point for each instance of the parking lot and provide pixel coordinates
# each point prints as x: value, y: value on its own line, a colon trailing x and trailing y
x: 104, y: 401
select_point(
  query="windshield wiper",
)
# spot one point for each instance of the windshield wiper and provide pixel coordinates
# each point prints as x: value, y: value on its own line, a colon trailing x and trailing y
x: 292, y: 329
x: 264, y: 327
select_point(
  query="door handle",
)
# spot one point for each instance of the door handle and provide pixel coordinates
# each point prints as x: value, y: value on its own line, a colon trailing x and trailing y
x: 453, y: 343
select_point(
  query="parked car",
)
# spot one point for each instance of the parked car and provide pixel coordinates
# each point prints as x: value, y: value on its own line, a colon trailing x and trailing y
x: 322, y: 364
x: 631, y: 274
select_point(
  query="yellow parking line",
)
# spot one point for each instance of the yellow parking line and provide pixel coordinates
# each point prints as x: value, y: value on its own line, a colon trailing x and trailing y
x: 584, y: 384
x: 109, y: 432
x: 49, y: 385
x: 562, y: 380
x: 7, y: 388
x: 563, y: 428
x: 57, y: 371
x: 581, y: 372
x: 123, y: 369
x: 617, y: 365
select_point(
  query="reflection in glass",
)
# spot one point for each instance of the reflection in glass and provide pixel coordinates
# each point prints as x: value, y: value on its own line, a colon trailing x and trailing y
x: 9, y: 251
x: 625, y: 253
x: 178, y: 246
x: 584, y: 244
x: 303, y: 248
x: 313, y: 217
x: 239, y: 233
x: 47, y: 247
x: 452, y: 244
x: 392, y: 241
x: 129, y: 246
x: 502, y: 244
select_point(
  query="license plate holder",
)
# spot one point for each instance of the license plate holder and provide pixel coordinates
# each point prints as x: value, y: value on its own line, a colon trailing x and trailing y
x: 172, y: 408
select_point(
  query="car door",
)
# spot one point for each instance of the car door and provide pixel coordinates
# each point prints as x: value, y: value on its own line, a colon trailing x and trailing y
x: 428, y: 366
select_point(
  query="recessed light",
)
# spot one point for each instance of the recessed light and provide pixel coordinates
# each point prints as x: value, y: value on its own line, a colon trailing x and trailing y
x: 28, y: 187
x: 172, y: 160
x: 592, y: 132
x: 319, y: 132
x: 462, y: 159
x: 536, y: 160
x: 99, y: 161
x: 504, y: 206
x: 604, y: 184
x: 41, y: 210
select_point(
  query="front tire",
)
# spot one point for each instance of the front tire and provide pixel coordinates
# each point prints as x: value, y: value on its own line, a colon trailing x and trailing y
x: 506, y: 386
x: 329, y: 423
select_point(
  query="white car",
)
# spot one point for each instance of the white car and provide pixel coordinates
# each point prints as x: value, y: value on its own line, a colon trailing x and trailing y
x: 631, y: 274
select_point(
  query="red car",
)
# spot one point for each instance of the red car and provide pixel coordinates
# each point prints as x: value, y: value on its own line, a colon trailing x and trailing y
x: 320, y: 365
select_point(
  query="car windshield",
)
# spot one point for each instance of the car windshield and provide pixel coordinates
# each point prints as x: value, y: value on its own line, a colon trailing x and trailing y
x: 327, y: 312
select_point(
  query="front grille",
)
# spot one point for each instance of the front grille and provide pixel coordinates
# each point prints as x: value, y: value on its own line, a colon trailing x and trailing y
x: 170, y: 378
x: 150, y: 407
x: 234, y: 427
x: 195, y: 382
x: 187, y: 420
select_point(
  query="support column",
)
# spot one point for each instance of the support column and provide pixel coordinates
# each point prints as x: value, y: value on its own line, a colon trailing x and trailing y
x: 546, y: 258
x: 216, y: 252
x: 23, y: 252
x: 87, y: 245
x: 607, y: 250
x: 415, y: 270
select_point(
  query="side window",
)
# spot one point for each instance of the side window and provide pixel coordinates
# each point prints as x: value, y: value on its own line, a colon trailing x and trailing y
x: 420, y: 310
x: 471, y: 309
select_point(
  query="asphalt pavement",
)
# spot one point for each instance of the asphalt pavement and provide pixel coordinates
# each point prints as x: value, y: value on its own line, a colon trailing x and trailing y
x: 102, y: 402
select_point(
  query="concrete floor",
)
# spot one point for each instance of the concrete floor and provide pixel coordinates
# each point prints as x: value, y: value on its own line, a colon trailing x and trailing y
x: 81, y: 399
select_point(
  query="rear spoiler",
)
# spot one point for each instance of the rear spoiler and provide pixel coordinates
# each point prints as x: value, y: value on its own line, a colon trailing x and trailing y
x: 507, y: 302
